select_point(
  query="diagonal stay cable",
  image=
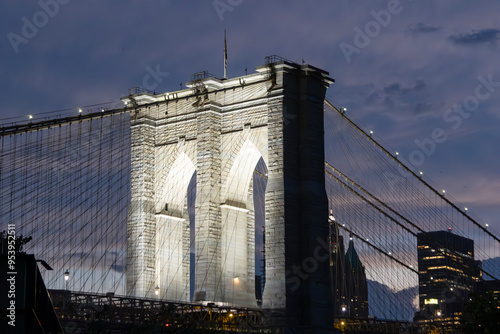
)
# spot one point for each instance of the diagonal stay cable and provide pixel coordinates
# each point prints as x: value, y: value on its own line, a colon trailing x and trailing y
x: 410, y: 171
x: 390, y: 209
x: 377, y: 248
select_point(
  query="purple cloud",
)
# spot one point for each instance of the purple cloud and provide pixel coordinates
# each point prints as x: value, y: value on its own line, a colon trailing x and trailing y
x: 422, y: 28
x: 484, y: 36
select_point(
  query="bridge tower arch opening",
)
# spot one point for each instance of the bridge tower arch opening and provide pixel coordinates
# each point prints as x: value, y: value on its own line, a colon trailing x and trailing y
x: 238, y: 226
x: 172, y: 231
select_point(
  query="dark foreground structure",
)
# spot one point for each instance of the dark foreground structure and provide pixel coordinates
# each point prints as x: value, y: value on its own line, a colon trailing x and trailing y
x: 25, y: 306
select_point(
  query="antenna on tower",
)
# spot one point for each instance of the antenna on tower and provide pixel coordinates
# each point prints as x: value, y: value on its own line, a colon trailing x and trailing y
x: 225, y: 55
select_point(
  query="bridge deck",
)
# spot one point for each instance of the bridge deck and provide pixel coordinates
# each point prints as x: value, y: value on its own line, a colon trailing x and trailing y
x: 86, y: 310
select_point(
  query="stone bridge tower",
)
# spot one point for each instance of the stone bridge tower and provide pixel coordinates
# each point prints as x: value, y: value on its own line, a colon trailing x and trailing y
x: 220, y: 129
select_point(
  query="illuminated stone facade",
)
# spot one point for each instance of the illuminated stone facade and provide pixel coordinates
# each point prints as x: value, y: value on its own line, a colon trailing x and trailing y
x: 220, y: 129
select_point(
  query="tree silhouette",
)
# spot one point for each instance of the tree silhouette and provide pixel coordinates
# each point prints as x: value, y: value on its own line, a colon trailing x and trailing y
x: 482, y: 314
x: 20, y: 242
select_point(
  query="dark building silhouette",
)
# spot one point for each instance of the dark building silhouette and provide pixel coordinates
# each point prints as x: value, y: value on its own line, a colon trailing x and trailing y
x: 347, y: 276
x: 25, y: 303
x: 490, y: 287
x: 355, y: 280
x: 258, y: 289
x: 337, y: 270
x: 447, y: 274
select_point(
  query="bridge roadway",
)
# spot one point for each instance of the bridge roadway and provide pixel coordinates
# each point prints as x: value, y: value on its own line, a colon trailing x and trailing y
x: 87, y: 312
x: 80, y: 312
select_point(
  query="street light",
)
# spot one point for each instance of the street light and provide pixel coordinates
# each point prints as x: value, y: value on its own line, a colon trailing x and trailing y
x: 157, y: 290
x: 66, y: 277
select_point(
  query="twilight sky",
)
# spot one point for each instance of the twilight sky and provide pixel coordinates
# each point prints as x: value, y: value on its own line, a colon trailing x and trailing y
x: 402, y: 68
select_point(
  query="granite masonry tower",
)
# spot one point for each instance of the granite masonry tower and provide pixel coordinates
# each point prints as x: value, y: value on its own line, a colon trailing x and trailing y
x: 217, y: 130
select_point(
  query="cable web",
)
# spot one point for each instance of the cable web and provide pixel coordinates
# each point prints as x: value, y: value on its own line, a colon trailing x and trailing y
x: 382, y: 205
x: 68, y: 187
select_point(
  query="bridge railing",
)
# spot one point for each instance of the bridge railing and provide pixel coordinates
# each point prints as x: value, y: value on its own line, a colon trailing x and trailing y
x: 139, y: 90
x: 95, y: 309
x: 276, y: 59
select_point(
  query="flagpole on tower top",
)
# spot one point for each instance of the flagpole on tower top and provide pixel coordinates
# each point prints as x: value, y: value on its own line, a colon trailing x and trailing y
x: 225, y: 55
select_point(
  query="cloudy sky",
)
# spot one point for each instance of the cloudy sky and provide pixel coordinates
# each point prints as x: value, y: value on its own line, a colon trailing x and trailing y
x: 423, y: 75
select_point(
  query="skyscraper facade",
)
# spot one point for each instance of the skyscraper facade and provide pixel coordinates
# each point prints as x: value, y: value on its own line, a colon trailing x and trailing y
x: 446, y: 273
x: 337, y: 270
x: 348, y: 277
x: 357, y: 288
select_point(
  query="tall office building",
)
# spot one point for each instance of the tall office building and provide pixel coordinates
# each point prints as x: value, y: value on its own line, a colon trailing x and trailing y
x: 355, y: 280
x: 446, y: 274
x: 337, y: 270
x: 347, y: 276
